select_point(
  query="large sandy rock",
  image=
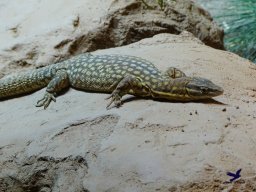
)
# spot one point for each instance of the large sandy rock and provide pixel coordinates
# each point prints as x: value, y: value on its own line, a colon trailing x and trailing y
x: 78, y: 145
x: 36, y: 33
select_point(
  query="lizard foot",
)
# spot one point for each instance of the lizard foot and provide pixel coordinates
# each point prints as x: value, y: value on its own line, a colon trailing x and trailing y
x: 46, y: 100
x: 114, y: 98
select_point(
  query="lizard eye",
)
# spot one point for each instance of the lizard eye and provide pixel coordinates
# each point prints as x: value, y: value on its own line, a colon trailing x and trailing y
x: 204, y: 90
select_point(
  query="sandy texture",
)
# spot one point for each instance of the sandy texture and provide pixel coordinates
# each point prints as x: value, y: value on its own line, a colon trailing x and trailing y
x: 35, y: 33
x: 78, y: 145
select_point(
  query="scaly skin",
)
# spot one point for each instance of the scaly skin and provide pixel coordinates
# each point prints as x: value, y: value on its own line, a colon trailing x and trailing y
x: 115, y: 74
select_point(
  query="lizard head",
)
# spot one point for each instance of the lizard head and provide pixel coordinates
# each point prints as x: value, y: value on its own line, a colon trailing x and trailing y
x: 187, y: 89
x: 200, y: 88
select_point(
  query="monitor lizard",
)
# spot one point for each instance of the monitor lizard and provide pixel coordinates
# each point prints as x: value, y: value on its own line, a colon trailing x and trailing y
x: 115, y: 74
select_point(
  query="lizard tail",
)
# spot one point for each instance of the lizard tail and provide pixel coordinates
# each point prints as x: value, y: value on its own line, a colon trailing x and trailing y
x: 24, y: 83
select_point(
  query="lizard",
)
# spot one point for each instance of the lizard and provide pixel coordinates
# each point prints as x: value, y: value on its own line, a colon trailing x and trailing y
x: 115, y: 74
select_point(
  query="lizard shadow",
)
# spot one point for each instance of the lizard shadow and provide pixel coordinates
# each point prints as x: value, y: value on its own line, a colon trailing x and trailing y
x: 127, y: 99
x: 205, y: 101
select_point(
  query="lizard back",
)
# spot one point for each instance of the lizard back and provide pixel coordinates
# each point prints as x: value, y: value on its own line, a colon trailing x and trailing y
x: 102, y: 73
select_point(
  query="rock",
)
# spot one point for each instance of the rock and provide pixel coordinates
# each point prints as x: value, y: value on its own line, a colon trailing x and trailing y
x: 145, y: 145
x: 43, y: 33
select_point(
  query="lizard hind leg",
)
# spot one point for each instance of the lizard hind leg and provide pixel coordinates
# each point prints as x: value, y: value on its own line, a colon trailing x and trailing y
x: 174, y: 73
x: 58, y: 83
x: 128, y: 85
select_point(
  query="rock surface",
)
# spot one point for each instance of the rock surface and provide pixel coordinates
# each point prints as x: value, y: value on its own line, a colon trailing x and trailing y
x: 36, y: 33
x: 78, y: 145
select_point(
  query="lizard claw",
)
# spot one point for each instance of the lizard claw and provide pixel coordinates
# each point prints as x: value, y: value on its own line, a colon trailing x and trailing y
x: 114, y: 98
x: 46, y: 100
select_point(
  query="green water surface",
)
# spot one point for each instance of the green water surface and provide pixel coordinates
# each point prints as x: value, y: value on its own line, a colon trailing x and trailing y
x: 238, y: 19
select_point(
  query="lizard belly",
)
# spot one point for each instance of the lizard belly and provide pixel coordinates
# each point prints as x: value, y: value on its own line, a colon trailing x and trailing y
x: 94, y: 81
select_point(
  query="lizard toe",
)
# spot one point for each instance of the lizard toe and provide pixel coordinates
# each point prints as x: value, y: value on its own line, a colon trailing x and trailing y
x: 46, y: 100
x: 114, y: 98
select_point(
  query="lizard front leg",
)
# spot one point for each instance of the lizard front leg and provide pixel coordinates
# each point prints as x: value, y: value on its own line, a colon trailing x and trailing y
x: 59, y: 82
x: 128, y: 85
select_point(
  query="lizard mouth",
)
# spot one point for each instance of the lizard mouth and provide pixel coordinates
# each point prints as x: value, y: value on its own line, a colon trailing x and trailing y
x: 217, y: 92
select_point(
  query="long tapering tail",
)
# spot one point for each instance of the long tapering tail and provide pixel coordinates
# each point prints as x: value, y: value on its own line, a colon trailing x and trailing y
x: 24, y: 83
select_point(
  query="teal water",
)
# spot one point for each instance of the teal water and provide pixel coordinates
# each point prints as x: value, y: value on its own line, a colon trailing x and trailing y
x: 238, y: 19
